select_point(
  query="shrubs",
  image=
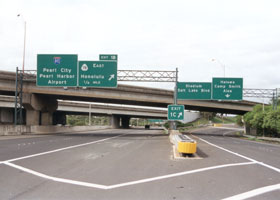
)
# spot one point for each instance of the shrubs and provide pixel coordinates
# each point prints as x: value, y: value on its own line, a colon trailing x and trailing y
x: 264, y: 118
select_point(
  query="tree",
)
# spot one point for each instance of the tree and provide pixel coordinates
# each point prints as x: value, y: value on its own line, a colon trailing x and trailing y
x: 238, y: 120
x: 264, y: 118
x: 272, y: 121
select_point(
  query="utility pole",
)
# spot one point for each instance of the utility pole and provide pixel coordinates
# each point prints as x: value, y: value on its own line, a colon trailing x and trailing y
x: 24, y: 42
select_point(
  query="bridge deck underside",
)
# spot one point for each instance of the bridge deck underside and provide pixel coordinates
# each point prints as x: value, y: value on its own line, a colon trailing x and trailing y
x: 124, y: 94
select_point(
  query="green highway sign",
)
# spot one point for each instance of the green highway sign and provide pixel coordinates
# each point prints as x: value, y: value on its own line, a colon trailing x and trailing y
x: 57, y: 70
x: 175, y: 112
x: 193, y: 90
x: 97, y: 73
x: 111, y: 57
x: 227, y: 88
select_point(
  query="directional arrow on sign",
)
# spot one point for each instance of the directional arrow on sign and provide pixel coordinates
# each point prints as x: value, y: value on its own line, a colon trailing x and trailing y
x: 227, y: 95
x: 180, y: 114
x: 112, y: 76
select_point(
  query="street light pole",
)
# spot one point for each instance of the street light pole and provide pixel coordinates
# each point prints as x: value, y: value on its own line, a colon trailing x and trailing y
x: 24, y: 42
x: 223, y: 65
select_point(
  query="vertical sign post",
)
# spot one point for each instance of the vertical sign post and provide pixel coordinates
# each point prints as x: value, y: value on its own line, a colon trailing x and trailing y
x: 175, y: 97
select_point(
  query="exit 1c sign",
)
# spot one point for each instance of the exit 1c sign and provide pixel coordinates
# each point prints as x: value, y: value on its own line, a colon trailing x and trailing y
x: 176, y: 112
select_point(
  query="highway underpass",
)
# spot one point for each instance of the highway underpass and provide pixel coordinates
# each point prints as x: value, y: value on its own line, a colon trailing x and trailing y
x: 64, y: 108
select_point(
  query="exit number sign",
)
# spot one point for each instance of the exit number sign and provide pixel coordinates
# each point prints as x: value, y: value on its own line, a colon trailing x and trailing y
x: 175, y: 112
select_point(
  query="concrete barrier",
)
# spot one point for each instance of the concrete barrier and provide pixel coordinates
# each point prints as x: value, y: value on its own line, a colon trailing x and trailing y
x: 24, y: 130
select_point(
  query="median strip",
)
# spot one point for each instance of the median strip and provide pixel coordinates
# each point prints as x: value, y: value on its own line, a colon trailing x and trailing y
x: 184, y: 145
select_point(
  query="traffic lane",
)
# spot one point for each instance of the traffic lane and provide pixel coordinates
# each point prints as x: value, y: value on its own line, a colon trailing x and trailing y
x: 211, y: 153
x: 269, y: 195
x: 262, y: 152
x: 15, y: 183
x: 214, y: 131
x: 126, y: 158
x: 214, y: 184
x: 14, y: 148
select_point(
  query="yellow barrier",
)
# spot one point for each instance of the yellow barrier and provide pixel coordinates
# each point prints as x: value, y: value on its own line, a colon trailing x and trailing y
x: 184, y: 144
x: 186, y: 147
x: 217, y: 125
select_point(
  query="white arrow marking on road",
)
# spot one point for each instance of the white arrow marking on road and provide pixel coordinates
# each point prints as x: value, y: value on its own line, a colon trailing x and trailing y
x: 112, y: 76
x: 227, y: 95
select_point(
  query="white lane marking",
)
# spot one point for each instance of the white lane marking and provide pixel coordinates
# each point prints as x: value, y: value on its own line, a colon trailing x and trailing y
x: 269, y: 166
x: 261, y: 191
x: 178, y: 174
x: 254, y: 193
x: 237, y: 154
x: 98, y: 186
x: 62, y: 180
x: 62, y: 149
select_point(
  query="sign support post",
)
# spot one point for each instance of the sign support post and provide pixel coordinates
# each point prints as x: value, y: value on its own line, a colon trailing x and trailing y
x: 175, y: 98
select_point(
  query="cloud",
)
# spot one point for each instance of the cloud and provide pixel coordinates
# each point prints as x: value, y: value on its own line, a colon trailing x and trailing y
x: 151, y: 34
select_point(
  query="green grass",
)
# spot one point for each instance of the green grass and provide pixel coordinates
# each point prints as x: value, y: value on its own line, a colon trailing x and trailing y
x: 226, y: 120
x: 203, y: 121
x: 192, y: 125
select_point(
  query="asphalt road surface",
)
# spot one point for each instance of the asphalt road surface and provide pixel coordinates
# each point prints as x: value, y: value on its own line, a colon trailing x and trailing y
x: 137, y: 164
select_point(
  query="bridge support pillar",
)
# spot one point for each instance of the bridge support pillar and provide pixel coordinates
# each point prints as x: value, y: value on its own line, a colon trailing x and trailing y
x: 32, y: 117
x: 6, y: 116
x: 46, y: 118
x: 125, y: 121
x: 115, y: 121
x: 39, y: 109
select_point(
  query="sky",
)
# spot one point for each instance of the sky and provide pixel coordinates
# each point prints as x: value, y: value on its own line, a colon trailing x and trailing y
x: 243, y: 36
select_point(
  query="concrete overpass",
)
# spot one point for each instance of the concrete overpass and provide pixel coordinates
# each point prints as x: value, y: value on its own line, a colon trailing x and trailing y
x: 7, y: 105
x: 44, y: 99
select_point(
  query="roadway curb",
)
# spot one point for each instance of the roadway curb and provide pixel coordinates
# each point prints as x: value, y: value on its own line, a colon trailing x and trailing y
x: 11, y: 130
x: 268, y: 139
